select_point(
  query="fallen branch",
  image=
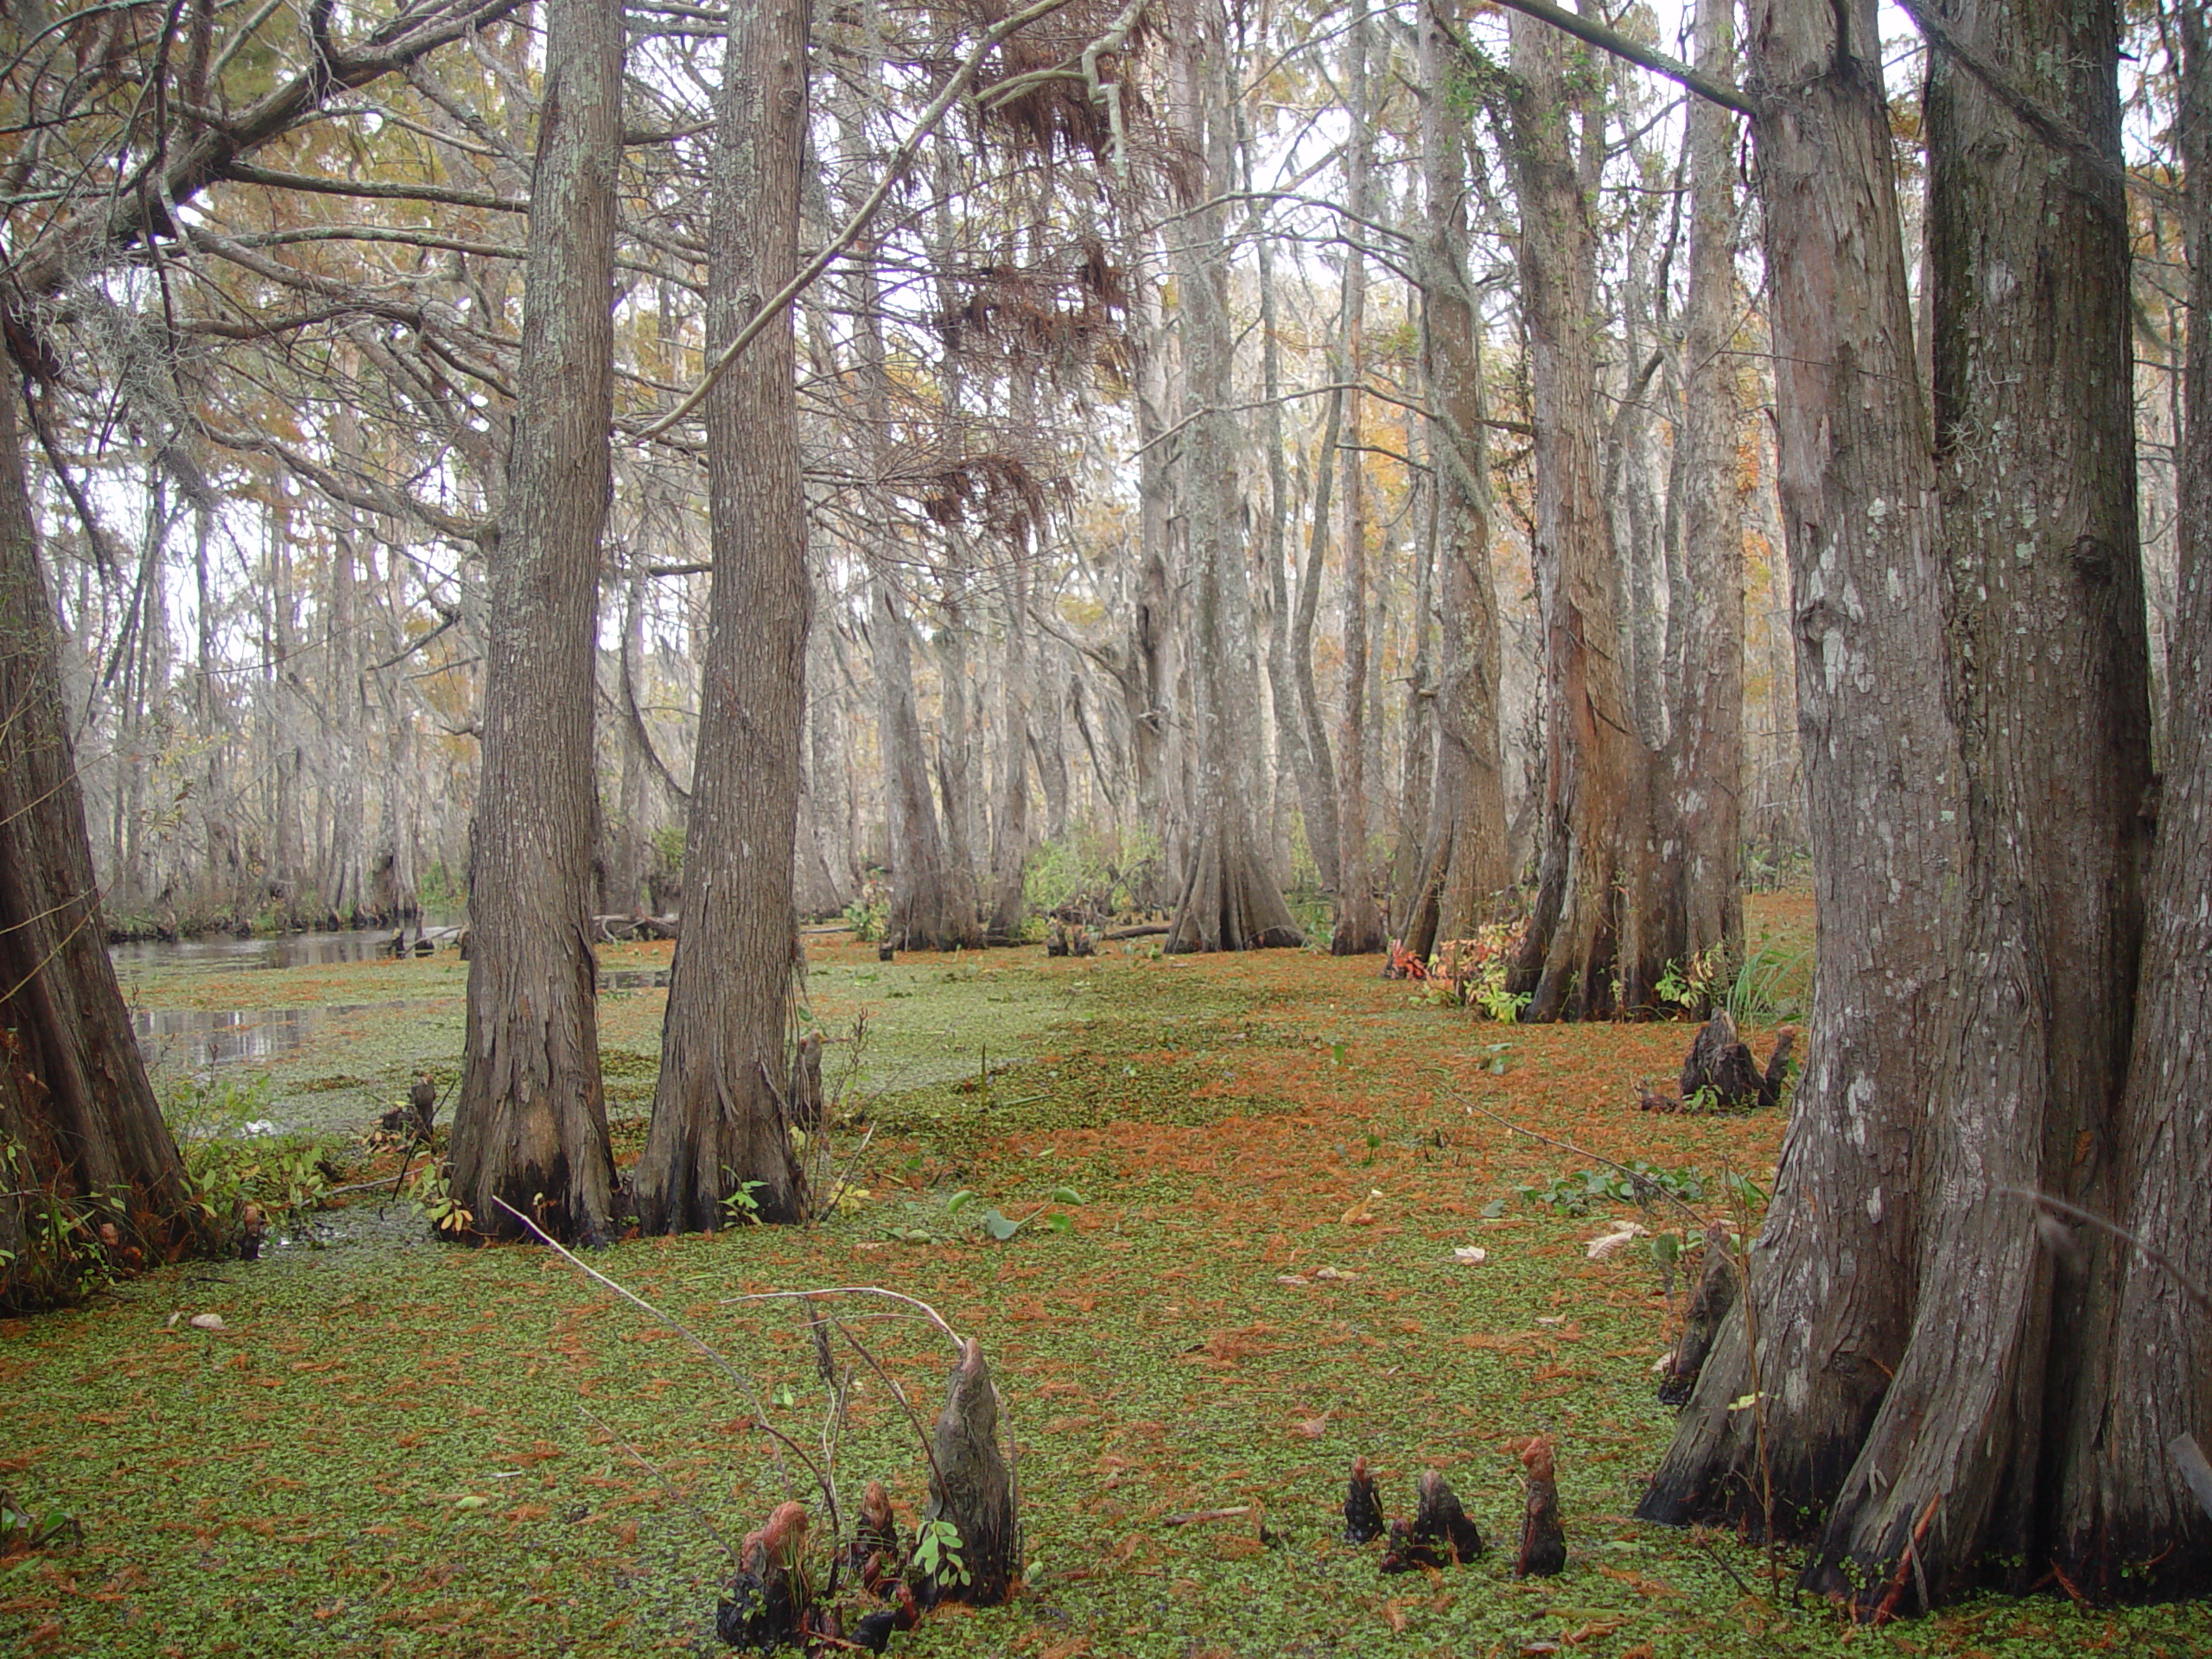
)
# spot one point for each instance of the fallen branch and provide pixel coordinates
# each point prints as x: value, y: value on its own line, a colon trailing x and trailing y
x: 2190, y: 1287
x: 1192, y: 1517
x: 744, y: 1382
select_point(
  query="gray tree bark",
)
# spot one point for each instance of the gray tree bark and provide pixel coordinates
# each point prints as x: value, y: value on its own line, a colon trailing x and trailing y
x: 723, y: 1108
x: 2131, y: 1527
x: 1229, y: 899
x: 1582, y: 940
x: 1359, y: 920
x: 1830, y: 1273
x: 76, y: 1110
x: 2034, y: 427
x: 1697, y: 861
x: 530, y: 1125
x: 1463, y: 863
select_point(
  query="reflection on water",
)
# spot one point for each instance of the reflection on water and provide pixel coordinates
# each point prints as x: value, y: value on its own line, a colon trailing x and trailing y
x: 226, y: 955
x: 194, y: 1038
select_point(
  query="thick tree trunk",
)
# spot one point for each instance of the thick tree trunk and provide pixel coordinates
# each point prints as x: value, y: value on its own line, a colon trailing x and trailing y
x: 1697, y: 855
x: 826, y: 812
x: 1010, y: 837
x: 956, y: 750
x: 1582, y: 941
x: 1359, y: 920
x: 78, y: 1117
x: 1317, y: 777
x: 1229, y: 899
x: 1293, y: 765
x: 1896, y: 1244
x: 2035, y: 454
x: 1830, y: 1277
x: 925, y: 915
x: 1464, y: 864
x: 2131, y: 1529
x: 722, y: 1109
x: 531, y: 1127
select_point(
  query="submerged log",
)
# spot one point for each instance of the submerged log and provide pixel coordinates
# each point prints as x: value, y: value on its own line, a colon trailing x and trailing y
x: 972, y: 1490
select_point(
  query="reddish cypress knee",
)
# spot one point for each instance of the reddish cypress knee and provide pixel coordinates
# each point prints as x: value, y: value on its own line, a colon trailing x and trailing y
x: 1543, y: 1545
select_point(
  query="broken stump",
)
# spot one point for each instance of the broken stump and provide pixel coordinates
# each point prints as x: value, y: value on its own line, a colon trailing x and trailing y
x: 1720, y: 1064
x: 766, y: 1603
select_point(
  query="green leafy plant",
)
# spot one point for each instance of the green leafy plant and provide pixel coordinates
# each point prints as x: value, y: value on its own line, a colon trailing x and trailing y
x: 232, y: 1157
x: 1089, y: 871
x: 740, y: 1205
x: 23, y: 1529
x: 71, y: 1241
x: 867, y: 919
x: 1499, y: 1004
x: 433, y: 1195
x: 1749, y: 1197
x: 1635, y: 1182
x: 1695, y: 986
x: 1003, y: 1227
x: 938, y: 1553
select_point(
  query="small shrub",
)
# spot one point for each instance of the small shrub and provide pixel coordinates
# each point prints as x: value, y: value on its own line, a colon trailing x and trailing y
x: 235, y: 1157
x: 1090, y: 872
x: 1638, y: 1182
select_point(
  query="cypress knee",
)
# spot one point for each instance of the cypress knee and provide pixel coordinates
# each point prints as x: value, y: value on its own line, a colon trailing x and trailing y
x: 971, y: 1489
x: 1543, y: 1544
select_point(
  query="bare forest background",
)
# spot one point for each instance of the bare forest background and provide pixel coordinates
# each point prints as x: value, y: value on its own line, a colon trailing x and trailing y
x: 273, y: 445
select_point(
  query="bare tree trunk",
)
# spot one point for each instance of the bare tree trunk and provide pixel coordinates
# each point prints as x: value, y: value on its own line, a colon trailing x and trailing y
x: 1697, y: 826
x: 1010, y: 837
x: 1230, y: 900
x: 1294, y: 764
x: 1147, y: 673
x: 76, y: 1110
x: 1464, y: 864
x: 1830, y: 1277
x: 1317, y: 779
x: 343, y: 888
x: 1359, y: 921
x: 531, y: 1127
x: 956, y: 750
x: 722, y: 1110
x: 827, y: 805
x: 2035, y: 454
x: 1905, y: 1363
x: 2132, y: 1529
x: 925, y: 914
x: 1582, y: 940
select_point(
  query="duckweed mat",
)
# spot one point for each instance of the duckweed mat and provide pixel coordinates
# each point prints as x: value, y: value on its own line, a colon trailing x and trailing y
x: 1272, y: 1172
